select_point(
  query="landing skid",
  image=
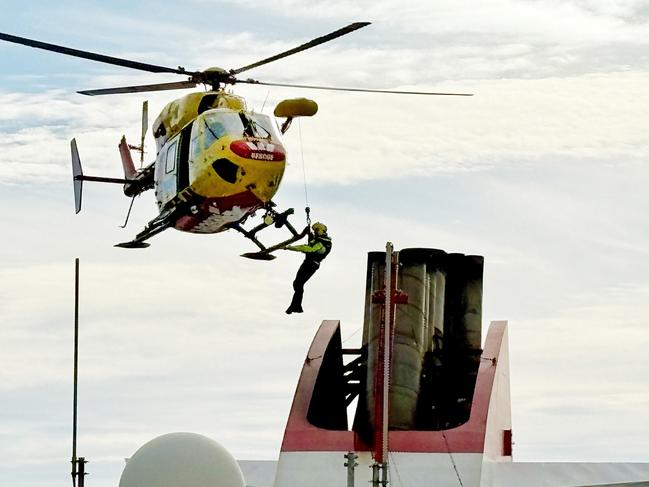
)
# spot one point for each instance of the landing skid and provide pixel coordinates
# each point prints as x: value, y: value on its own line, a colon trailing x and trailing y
x: 259, y: 256
x: 154, y: 227
x: 133, y: 244
x: 279, y: 220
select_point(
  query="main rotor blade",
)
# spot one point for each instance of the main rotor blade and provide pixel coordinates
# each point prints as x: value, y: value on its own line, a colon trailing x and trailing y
x: 362, y: 90
x: 622, y: 484
x: 176, y: 85
x: 303, y: 47
x: 152, y: 68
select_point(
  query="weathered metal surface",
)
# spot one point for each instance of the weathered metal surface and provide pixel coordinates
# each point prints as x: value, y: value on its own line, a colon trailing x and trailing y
x: 436, y: 341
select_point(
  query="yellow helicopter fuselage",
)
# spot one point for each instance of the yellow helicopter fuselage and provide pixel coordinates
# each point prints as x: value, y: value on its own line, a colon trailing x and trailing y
x: 217, y: 162
x: 206, y: 179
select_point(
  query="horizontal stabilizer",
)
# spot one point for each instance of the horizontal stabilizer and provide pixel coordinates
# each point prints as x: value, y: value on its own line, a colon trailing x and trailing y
x: 77, y: 175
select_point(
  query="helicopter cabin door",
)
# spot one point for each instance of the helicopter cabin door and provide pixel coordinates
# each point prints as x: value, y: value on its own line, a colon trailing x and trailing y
x: 172, y: 170
x: 165, y: 172
x: 182, y: 176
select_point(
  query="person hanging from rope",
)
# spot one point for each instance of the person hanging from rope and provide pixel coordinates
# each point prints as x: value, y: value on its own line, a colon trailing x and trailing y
x: 315, y: 252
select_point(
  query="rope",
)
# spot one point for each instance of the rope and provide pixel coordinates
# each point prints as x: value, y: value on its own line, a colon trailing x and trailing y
x: 448, y: 449
x: 306, y: 194
x: 396, y: 470
x: 265, y: 100
x: 350, y: 336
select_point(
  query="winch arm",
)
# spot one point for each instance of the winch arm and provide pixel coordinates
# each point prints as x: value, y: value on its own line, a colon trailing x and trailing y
x: 279, y: 220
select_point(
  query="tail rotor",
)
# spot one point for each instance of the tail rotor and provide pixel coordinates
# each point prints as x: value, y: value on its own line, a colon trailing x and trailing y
x: 145, y: 126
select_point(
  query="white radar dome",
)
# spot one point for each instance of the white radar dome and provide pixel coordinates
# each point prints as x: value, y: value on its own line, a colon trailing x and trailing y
x: 182, y: 460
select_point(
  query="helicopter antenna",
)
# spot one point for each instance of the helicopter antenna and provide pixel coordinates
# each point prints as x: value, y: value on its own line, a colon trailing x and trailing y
x: 128, y: 213
x: 265, y: 100
x: 78, y: 464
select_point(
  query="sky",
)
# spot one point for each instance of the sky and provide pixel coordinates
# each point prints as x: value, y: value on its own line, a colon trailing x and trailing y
x: 543, y: 172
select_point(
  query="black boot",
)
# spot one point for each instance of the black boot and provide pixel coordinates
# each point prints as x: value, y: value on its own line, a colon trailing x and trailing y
x: 294, y: 309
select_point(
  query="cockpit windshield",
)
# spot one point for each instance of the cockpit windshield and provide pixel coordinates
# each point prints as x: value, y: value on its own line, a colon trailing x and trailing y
x: 219, y: 122
x: 261, y: 126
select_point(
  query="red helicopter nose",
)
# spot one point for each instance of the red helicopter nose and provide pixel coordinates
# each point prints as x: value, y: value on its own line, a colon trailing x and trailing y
x: 258, y: 150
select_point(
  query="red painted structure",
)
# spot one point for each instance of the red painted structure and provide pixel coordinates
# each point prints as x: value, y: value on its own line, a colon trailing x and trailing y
x: 302, y: 435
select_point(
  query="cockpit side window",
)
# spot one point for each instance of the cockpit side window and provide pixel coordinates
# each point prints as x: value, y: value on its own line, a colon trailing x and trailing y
x: 195, y: 144
x: 214, y: 125
x: 170, y: 162
x: 214, y: 130
x: 263, y: 126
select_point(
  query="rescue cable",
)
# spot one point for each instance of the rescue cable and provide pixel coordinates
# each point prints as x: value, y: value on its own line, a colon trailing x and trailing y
x: 307, y: 209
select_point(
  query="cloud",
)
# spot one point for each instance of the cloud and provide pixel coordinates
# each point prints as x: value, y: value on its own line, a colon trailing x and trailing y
x: 186, y: 336
x: 371, y: 137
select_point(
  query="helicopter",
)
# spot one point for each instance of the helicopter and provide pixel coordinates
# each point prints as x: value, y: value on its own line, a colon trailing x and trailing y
x: 217, y: 161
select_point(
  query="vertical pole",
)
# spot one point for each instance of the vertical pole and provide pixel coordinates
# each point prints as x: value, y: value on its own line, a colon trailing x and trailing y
x: 390, y: 308
x: 384, y: 473
x: 382, y: 403
x: 376, y: 467
x: 82, y: 471
x: 76, y: 370
x: 387, y: 335
x: 351, y: 465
